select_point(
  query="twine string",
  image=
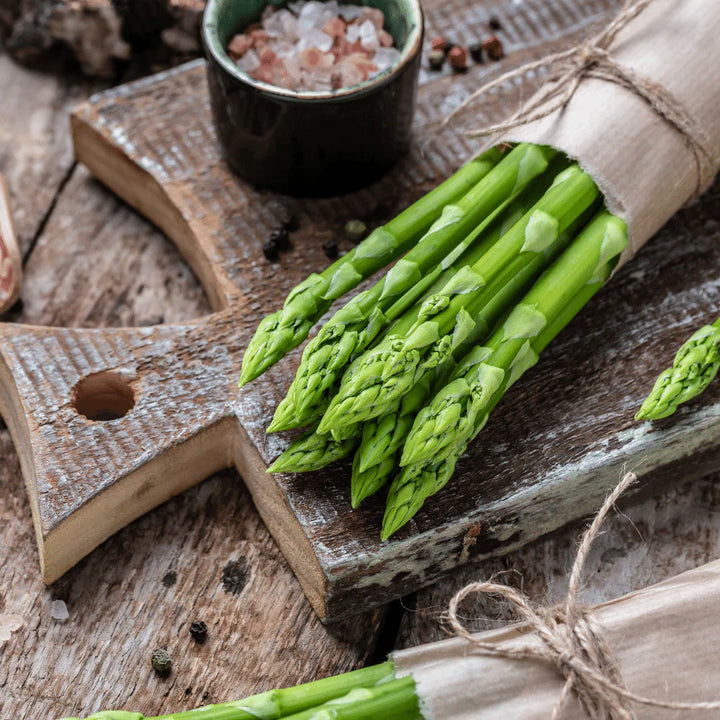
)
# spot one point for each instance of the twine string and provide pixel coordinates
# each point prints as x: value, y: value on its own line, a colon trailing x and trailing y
x: 592, y: 59
x: 571, y: 639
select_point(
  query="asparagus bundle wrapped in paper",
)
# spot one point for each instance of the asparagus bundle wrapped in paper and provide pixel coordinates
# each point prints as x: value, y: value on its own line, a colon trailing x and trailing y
x: 381, y: 364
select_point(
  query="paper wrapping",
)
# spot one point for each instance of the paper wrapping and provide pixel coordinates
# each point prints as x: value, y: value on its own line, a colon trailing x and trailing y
x: 666, y: 639
x: 641, y: 164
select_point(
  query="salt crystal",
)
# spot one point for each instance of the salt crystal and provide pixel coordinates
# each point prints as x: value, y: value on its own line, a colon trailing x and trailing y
x: 314, y: 38
x: 313, y: 15
x: 385, y: 58
x: 12, y: 622
x: 59, y: 611
x: 316, y: 46
x: 350, y: 12
x: 386, y: 39
x: 312, y: 58
x: 368, y: 36
x: 5, y: 635
x: 249, y: 62
x: 374, y: 15
x: 275, y: 25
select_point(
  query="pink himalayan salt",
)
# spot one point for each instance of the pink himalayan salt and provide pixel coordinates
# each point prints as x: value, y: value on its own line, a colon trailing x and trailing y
x: 239, y: 45
x: 308, y: 47
x: 374, y: 15
x: 335, y: 27
x: 386, y: 39
x: 313, y: 58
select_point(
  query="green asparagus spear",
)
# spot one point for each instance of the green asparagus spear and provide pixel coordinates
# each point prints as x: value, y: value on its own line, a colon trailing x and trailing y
x: 378, y: 378
x: 313, y: 452
x: 395, y: 699
x: 359, y: 322
x: 696, y: 364
x: 284, y: 330
x: 420, y: 480
x: 366, y: 482
x: 452, y: 412
x: 276, y: 704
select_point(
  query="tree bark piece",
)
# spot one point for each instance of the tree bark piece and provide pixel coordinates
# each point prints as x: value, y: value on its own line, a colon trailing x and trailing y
x: 103, y: 35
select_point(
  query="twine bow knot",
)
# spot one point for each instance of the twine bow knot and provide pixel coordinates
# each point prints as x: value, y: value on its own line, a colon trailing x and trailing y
x: 571, y: 639
x: 592, y: 59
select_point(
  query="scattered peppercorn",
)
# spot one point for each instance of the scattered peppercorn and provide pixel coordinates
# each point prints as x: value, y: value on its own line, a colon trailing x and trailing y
x: 270, y: 250
x: 476, y: 52
x: 355, y: 230
x: 436, y: 59
x: 494, y: 23
x: 161, y: 661
x: 170, y: 579
x: 281, y: 238
x: 330, y: 248
x: 292, y: 224
x: 458, y: 57
x: 439, y: 43
x: 493, y: 48
x: 199, y: 631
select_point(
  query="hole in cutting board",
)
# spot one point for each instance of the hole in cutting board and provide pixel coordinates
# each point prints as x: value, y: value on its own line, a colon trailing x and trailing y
x: 103, y: 396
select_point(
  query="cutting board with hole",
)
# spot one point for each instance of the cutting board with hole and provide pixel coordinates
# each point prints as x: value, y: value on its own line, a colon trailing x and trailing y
x: 110, y: 423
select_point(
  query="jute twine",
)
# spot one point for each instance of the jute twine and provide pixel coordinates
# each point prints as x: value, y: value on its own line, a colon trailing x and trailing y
x: 571, y: 640
x: 592, y: 59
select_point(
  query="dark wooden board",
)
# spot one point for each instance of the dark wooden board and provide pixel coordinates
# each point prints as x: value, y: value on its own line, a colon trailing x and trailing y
x: 550, y: 452
x: 96, y: 262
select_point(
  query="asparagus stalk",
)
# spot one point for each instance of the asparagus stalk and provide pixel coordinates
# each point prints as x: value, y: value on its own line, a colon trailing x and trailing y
x: 314, y: 452
x: 452, y: 412
x: 358, y: 323
x: 284, y: 330
x: 376, y: 380
x: 696, y: 364
x: 278, y: 704
x: 419, y: 480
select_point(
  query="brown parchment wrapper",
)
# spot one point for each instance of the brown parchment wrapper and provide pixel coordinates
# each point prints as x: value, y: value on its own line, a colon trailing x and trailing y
x: 666, y: 639
x: 642, y: 165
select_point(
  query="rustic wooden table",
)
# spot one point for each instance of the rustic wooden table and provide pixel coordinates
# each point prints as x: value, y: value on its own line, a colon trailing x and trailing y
x: 90, y: 261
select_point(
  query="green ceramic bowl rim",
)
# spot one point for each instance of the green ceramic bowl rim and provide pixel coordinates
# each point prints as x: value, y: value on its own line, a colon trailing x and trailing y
x: 413, y: 46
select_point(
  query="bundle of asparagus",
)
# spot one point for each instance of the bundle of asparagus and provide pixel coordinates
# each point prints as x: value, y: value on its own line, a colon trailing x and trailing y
x: 406, y: 373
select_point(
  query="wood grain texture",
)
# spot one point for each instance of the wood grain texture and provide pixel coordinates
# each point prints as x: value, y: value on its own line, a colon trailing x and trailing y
x: 205, y: 555
x: 572, y: 417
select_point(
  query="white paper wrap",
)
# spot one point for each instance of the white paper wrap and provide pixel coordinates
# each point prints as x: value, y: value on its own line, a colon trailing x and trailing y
x: 666, y: 640
x: 642, y: 165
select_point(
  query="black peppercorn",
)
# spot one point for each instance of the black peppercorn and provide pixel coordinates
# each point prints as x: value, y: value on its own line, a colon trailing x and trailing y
x: 476, y: 52
x: 161, y: 661
x: 330, y: 248
x: 494, y: 23
x: 436, y: 59
x: 199, y: 631
x: 280, y: 237
x: 292, y: 224
x: 271, y: 250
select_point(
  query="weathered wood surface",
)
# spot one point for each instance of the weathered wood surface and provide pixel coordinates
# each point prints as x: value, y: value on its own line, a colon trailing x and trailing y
x: 110, y: 268
x: 91, y: 261
x: 572, y: 417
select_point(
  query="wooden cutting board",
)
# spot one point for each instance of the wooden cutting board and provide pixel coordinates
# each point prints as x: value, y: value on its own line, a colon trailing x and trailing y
x: 110, y: 423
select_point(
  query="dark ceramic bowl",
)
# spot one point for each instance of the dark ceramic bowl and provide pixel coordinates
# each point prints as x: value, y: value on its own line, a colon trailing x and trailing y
x: 320, y: 143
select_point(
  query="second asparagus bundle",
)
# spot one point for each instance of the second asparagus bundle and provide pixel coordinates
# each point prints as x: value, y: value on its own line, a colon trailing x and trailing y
x: 406, y: 373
